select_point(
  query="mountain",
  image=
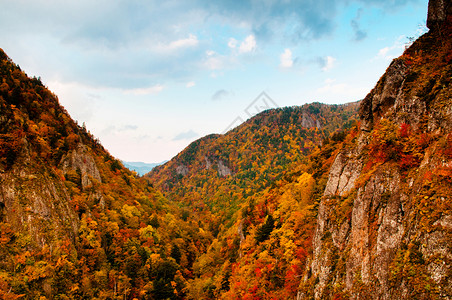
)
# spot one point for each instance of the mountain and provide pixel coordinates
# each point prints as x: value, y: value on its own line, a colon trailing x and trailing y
x: 314, y: 202
x: 217, y: 172
x: 263, y: 253
x: 74, y: 222
x: 140, y: 167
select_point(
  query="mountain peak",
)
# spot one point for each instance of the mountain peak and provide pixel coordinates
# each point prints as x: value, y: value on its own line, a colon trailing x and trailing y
x: 438, y: 12
x: 414, y: 85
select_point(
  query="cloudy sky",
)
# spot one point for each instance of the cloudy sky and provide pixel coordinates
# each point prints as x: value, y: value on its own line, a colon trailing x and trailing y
x: 148, y: 77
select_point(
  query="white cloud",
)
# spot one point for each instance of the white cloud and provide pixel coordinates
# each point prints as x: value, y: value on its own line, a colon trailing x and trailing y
x: 286, y: 59
x: 114, y: 130
x: 188, y: 135
x: 393, y: 51
x: 331, y: 86
x: 329, y: 63
x: 190, y: 84
x: 191, y: 41
x: 349, y: 92
x: 248, y: 45
x: 383, y: 52
x: 215, y: 61
x: 232, y: 43
x: 146, y: 91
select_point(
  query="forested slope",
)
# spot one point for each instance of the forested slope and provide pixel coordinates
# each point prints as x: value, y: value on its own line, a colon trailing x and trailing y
x: 74, y: 222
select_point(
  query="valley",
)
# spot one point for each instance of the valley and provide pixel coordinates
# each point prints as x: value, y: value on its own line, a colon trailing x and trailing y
x: 319, y: 201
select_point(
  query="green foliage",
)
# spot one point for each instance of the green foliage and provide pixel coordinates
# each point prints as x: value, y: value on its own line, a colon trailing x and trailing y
x: 263, y: 232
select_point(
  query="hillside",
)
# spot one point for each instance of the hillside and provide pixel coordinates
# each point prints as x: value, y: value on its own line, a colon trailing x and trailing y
x: 272, y: 168
x: 218, y: 172
x: 74, y: 223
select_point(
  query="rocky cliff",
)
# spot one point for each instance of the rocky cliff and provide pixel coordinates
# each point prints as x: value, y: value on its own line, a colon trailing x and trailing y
x: 384, y: 227
x: 438, y: 11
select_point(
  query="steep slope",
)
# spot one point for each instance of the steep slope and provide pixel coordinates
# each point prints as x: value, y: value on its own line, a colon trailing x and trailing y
x: 384, y: 227
x: 263, y: 255
x: 74, y: 223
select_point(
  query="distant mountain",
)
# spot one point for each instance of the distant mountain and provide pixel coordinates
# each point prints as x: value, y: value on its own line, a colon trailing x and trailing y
x: 140, y: 167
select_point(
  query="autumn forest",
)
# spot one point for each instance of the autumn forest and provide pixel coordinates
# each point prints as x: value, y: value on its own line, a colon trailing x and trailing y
x: 318, y: 201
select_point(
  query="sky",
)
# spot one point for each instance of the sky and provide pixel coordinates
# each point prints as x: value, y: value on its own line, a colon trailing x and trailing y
x: 149, y: 77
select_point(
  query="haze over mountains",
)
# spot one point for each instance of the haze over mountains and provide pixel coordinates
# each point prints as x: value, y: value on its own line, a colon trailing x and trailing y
x: 140, y: 167
x: 319, y: 201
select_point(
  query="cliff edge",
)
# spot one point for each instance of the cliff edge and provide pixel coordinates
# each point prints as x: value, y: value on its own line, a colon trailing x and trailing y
x: 384, y: 227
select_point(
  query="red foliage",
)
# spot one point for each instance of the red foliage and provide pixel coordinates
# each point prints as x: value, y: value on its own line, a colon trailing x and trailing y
x: 445, y: 172
x: 258, y: 272
x: 448, y: 149
x: 424, y: 140
x: 404, y: 130
x: 408, y: 161
x: 301, y: 254
x: 292, y: 279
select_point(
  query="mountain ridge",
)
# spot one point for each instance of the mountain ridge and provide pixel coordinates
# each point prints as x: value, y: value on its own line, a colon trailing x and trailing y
x: 251, y: 155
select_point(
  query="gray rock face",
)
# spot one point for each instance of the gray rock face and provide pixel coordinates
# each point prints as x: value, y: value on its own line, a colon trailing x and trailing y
x: 380, y: 220
x: 80, y: 160
x: 309, y: 122
x: 223, y: 170
x: 343, y: 174
x: 208, y: 163
x: 34, y: 200
x: 182, y: 170
x: 389, y: 99
x: 384, y: 95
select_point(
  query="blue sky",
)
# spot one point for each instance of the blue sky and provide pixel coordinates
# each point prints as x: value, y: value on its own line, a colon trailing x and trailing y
x: 149, y: 77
